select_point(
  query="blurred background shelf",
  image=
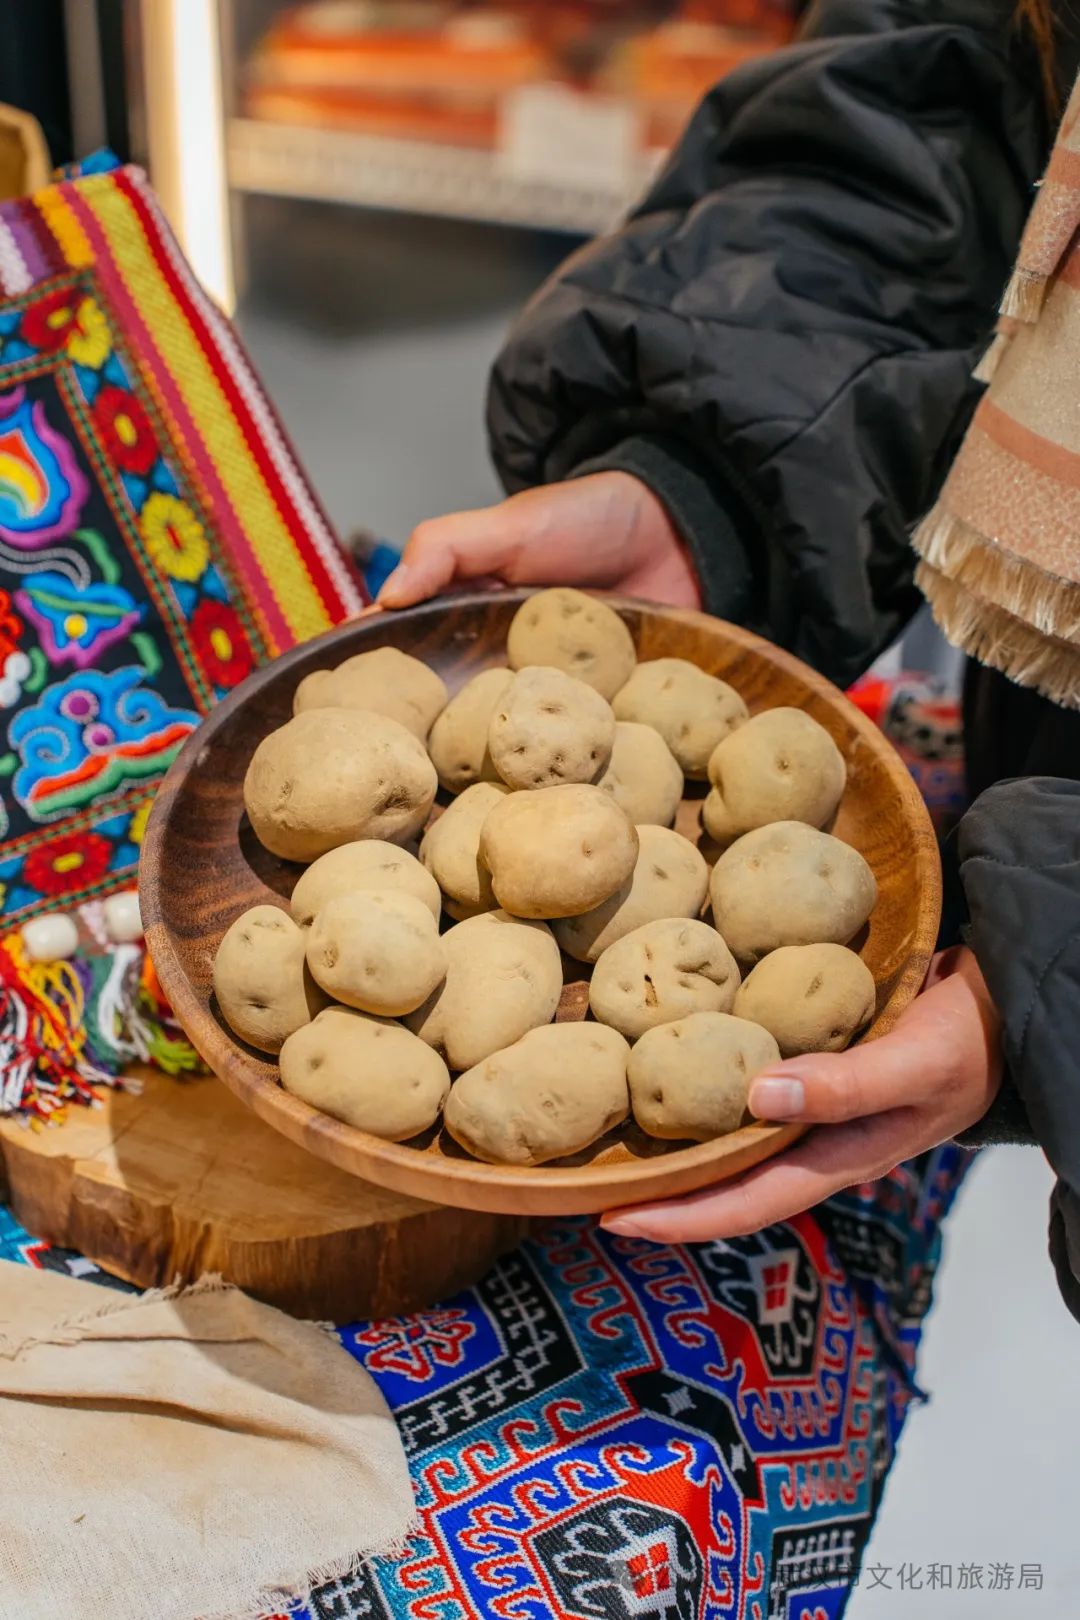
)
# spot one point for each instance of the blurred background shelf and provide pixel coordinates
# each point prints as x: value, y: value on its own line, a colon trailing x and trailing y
x: 422, y: 177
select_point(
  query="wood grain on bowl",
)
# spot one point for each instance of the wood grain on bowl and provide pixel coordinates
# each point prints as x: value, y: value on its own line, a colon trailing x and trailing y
x: 201, y: 866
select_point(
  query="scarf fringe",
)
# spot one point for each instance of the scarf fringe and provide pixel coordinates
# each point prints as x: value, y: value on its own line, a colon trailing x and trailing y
x: 994, y: 637
x: 995, y: 353
x: 956, y: 549
x: 69, y: 1028
x: 1024, y: 296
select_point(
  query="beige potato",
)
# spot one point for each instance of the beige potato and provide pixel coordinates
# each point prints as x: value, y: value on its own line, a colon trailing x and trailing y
x: 692, y: 711
x: 554, y: 1092
x: 670, y: 879
x: 370, y: 863
x: 458, y: 742
x: 368, y: 1072
x: 557, y: 852
x: 662, y: 971
x: 567, y: 630
x: 779, y: 766
x: 383, y: 681
x: 503, y: 978
x: 450, y: 851
x: 331, y: 776
x: 550, y: 728
x: 788, y: 884
x: 378, y: 952
x: 811, y: 998
x: 261, y: 982
x: 643, y: 776
x: 689, y: 1080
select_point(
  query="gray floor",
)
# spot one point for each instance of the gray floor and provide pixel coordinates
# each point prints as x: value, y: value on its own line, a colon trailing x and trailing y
x: 377, y: 358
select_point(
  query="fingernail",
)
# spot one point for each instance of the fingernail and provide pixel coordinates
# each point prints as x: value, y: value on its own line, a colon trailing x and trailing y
x: 394, y: 586
x: 777, y: 1099
x: 621, y: 1226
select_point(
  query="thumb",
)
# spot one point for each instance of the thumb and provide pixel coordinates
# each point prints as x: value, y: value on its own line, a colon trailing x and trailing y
x: 462, y: 545
x: 826, y: 1088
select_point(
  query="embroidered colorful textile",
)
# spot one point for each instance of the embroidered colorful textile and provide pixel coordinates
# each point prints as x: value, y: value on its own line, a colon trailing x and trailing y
x: 157, y: 541
x: 604, y: 1430
x: 921, y: 716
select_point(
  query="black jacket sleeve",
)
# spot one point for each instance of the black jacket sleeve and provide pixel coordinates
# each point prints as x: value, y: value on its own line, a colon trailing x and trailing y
x: 780, y: 338
x: 1020, y: 867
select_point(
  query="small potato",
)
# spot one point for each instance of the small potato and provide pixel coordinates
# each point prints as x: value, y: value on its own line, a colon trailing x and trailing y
x: 689, y: 1080
x: 548, y: 729
x: 662, y: 971
x: 812, y: 998
x: 383, y: 681
x: 458, y: 743
x: 788, y: 884
x: 670, y: 879
x: 503, y: 978
x: 579, y: 634
x: 368, y: 1072
x: 331, y: 776
x: 555, y: 1092
x: 450, y: 851
x: 692, y: 711
x: 262, y: 986
x: 780, y: 766
x: 557, y: 852
x: 370, y: 863
x: 643, y: 775
x: 380, y: 953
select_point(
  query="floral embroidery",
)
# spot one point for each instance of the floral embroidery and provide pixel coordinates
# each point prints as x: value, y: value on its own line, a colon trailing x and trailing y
x: 174, y: 537
x: 221, y: 644
x: 48, y: 322
x: 73, y: 861
x: 91, y: 735
x: 125, y: 429
x: 42, y: 491
x: 137, y: 829
x: 13, y: 672
x: 89, y: 342
x: 76, y: 625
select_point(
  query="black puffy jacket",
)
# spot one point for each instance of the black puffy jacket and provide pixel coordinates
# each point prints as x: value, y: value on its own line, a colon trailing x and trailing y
x: 779, y: 341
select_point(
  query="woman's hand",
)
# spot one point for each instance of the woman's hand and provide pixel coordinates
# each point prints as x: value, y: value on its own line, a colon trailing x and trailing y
x: 607, y: 529
x: 932, y: 1076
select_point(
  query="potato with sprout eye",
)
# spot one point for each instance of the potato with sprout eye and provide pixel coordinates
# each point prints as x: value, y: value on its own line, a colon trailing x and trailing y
x: 643, y: 776
x: 788, y: 884
x: 383, y: 681
x: 377, y: 952
x: 811, y: 998
x: 691, y: 710
x: 557, y: 852
x: 662, y: 971
x: 548, y: 729
x: 565, y: 629
x: 780, y: 766
x: 367, y: 1072
x: 358, y: 868
x: 690, y: 1080
x: 458, y: 741
x: 503, y: 978
x: 450, y: 851
x: 670, y: 879
x: 332, y: 776
x: 555, y: 1092
x: 260, y: 979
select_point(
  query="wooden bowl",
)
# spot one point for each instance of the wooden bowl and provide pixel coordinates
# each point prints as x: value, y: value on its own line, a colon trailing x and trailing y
x: 202, y: 866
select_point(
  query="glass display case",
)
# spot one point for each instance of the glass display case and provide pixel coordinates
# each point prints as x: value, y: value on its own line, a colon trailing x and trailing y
x: 543, y: 114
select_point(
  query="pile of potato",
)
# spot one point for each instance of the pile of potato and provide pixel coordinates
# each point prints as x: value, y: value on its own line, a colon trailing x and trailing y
x: 568, y: 768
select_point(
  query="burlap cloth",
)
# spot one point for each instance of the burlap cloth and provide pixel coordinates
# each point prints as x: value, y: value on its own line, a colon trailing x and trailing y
x: 181, y: 1456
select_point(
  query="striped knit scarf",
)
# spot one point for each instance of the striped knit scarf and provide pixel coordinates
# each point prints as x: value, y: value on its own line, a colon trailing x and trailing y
x: 1001, y: 549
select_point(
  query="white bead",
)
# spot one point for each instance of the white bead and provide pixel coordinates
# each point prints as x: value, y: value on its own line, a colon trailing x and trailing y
x: 123, y: 924
x: 50, y: 939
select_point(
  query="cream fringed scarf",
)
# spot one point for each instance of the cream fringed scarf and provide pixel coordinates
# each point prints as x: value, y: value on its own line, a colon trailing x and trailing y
x: 1001, y: 549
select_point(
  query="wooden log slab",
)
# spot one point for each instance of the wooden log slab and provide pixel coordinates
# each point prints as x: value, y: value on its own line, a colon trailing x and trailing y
x: 184, y: 1179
